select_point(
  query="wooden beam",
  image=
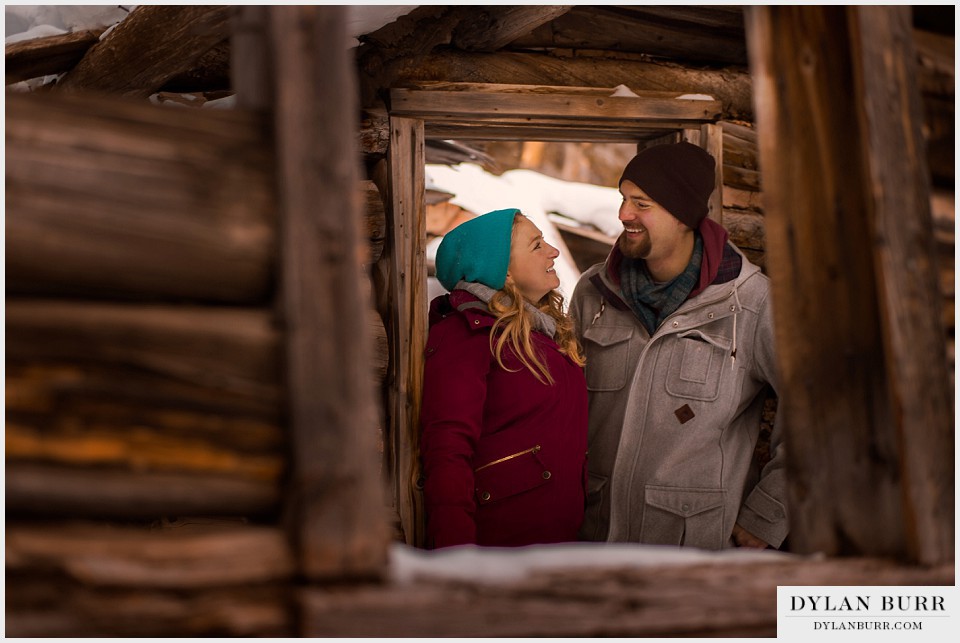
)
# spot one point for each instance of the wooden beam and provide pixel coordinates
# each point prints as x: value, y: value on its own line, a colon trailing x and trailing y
x: 249, y: 65
x: 906, y: 264
x: 151, y: 46
x: 108, y: 196
x: 49, y: 490
x: 730, y: 86
x: 408, y: 321
x: 44, y: 56
x: 335, y: 496
x: 850, y: 479
x: 491, y: 104
x: 196, y: 577
x: 666, y: 32
x: 689, y: 600
x: 494, y: 27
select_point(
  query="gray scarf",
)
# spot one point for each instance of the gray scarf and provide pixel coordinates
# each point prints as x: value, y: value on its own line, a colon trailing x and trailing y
x: 541, y: 321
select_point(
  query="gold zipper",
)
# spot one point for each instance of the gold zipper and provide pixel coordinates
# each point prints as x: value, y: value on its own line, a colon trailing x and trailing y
x: 533, y: 449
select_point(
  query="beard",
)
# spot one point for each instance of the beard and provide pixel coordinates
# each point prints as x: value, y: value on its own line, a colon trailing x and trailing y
x: 635, y: 248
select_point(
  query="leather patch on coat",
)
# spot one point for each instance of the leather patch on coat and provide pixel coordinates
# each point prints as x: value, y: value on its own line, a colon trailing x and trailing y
x: 684, y: 414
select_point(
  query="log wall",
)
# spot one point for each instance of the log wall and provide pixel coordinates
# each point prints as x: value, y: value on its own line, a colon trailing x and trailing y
x: 147, y: 443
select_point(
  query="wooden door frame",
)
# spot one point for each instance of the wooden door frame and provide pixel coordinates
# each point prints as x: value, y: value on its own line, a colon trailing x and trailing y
x: 467, y: 111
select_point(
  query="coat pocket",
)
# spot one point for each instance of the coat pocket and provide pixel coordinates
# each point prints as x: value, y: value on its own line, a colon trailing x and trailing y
x: 696, y: 365
x: 510, y: 475
x: 607, y: 357
x: 683, y: 516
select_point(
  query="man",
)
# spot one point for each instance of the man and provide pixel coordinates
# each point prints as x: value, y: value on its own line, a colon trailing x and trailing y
x: 678, y: 335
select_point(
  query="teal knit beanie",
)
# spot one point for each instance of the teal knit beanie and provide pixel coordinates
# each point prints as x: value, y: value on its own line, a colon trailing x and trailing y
x: 477, y: 250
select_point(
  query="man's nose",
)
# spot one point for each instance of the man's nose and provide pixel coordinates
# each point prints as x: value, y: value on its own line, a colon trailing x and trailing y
x: 624, y: 213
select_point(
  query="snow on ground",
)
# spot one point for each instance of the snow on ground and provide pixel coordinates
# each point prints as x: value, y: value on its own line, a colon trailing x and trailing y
x: 535, y: 195
x: 498, y: 565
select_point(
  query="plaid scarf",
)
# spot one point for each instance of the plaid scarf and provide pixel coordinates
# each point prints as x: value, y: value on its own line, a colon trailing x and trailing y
x: 653, y: 302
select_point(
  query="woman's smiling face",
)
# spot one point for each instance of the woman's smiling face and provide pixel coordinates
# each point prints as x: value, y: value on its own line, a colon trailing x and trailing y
x: 531, y: 267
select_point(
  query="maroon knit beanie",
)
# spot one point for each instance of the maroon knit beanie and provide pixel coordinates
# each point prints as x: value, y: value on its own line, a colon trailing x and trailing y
x: 678, y: 176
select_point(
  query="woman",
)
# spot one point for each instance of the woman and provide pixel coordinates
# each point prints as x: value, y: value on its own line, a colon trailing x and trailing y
x: 504, y: 413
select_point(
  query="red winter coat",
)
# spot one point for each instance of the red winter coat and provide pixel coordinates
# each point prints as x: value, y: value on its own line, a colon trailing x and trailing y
x: 504, y: 455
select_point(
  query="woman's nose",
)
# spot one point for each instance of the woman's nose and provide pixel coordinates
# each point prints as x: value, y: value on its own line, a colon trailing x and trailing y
x: 553, y: 251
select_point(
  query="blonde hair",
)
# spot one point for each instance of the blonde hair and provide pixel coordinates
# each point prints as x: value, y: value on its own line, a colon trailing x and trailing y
x: 515, y: 323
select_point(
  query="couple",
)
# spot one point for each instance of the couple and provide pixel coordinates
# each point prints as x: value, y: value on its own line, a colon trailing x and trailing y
x: 677, y: 348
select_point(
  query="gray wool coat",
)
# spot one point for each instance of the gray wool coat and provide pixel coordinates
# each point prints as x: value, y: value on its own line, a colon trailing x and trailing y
x: 674, y: 418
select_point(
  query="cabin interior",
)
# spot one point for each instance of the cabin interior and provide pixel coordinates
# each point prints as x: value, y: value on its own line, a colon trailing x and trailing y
x: 218, y: 232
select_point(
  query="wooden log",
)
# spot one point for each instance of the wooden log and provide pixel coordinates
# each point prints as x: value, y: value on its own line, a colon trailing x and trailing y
x: 47, y: 606
x: 92, y: 440
x: 126, y: 199
x: 249, y: 69
x: 230, y: 349
x: 374, y: 132
x: 177, y: 37
x: 186, y: 578
x: 493, y: 27
x: 334, y: 493
x: 843, y: 382
x: 746, y: 229
x: 375, y: 222
x: 912, y: 336
x: 690, y: 600
x: 738, y: 199
x: 657, y: 31
x: 730, y: 86
x: 739, y: 152
x: 192, y: 556
x: 210, y: 72
x: 740, y: 178
x: 59, y: 491
x: 46, y: 56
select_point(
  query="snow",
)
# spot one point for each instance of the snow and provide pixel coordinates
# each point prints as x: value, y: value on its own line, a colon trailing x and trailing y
x: 499, y: 565
x: 23, y: 22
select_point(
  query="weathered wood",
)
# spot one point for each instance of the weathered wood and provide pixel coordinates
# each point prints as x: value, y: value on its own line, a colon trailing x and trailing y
x: 100, y: 437
x: 187, y: 578
x: 693, y: 600
x: 742, y: 199
x: 48, y: 606
x: 45, y: 56
x: 249, y: 68
x: 375, y: 222
x: 657, y: 31
x: 711, y: 140
x: 187, y: 557
x: 177, y: 35
x: 335, y: 495
x: 60, y: 491
x: 407, y: 318
x: 730, y: 86
x: 509, y: 103
x: 229, y: 349
x: 374, y: 132
x: 848, y: 485
x: 494, y: 27
x: 738, y: 151
x: 121, y: 198
x: 913, y: 338
x: 210, y: 72
x: 746, y: 229
x: 738, y: 177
